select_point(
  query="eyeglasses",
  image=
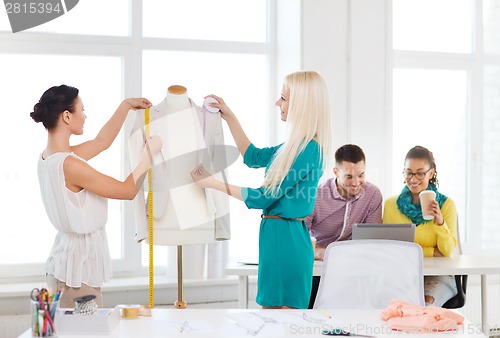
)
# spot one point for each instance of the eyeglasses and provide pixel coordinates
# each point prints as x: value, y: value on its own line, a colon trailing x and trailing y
x: 419, y: 175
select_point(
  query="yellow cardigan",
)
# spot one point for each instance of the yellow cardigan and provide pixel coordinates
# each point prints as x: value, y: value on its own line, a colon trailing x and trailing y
x: 428, y: 234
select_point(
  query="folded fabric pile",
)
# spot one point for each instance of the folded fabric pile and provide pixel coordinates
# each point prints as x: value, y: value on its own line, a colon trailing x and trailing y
x: 406, y: 317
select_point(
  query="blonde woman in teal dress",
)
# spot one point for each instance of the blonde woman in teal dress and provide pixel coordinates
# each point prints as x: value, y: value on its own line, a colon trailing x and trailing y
x: 288, y: 192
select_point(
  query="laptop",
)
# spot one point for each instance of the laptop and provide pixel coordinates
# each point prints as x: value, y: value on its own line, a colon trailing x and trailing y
x: 398, y: 232
x: 251, y: 260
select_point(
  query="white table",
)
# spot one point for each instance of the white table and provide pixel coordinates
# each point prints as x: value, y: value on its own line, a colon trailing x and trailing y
x: 473, y: 264
x: 260, y: 323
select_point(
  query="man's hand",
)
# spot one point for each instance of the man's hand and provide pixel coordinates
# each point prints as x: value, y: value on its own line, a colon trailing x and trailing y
x: 319, y: 252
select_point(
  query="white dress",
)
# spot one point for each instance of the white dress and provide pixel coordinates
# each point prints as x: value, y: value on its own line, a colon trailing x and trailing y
x: 80, y: 253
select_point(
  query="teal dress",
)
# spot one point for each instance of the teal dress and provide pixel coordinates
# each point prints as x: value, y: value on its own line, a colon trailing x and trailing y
x: 286, y: 256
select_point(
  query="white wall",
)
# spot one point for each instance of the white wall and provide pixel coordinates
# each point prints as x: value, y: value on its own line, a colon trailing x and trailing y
x: 346, y: 42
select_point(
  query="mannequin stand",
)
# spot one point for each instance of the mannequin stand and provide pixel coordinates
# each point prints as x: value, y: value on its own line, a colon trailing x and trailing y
x: 180, y: 303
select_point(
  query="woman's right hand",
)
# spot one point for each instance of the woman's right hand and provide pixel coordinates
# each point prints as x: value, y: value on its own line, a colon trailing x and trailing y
x: 241, y: 139
x: 137, y: 103
x: 154, y: 144
x: 225, y: 112
x: 202, y: 177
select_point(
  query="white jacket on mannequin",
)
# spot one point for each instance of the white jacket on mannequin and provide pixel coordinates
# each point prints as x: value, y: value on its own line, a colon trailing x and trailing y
x: 183, y: 212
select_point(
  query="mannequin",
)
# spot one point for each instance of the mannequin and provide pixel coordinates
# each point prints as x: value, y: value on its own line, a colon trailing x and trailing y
x: 183, y: 212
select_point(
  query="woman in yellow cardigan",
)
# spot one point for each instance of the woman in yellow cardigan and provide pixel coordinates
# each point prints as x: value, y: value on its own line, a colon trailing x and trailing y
x: 437, y: 237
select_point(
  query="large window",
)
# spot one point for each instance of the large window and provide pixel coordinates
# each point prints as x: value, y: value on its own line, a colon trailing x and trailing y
x: 127, y: 49
x: 445, y: 96
x: 433, y: 26
x: 491, y: 125
x: 225, y: 20
x: 429, y: 109
x: 26, y: 224
x: 245, y: 89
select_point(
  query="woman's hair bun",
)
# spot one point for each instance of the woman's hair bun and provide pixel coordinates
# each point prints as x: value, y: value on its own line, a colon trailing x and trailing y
x: 39, y: 111
x: 53, y: 102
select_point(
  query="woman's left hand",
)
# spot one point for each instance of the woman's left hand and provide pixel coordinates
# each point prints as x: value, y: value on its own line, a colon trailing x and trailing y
x: 138, y: 103
x: 436, y: 212
x: 202, y: 177
x: 437, y: 253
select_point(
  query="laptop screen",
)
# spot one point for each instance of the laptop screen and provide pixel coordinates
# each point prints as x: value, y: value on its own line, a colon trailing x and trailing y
x: 399, y: 232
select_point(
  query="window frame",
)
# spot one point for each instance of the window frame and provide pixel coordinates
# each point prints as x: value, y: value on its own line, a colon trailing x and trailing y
x: 130, y: 49
x: 471, y: 228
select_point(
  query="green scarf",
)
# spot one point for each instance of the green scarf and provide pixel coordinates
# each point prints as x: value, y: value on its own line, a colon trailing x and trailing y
x: 414, y: 211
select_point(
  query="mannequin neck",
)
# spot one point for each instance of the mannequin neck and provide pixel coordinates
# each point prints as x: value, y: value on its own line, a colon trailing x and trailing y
x: 177, y: 98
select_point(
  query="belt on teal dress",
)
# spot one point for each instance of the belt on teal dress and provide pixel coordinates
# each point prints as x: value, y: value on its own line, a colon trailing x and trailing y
x: 283, y: 218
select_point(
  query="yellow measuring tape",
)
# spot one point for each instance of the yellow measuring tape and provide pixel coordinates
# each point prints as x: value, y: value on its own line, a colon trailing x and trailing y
x: 150, y: 220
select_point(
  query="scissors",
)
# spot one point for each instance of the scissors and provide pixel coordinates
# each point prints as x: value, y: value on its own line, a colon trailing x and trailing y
x: 40, y: 295
x: 341, y: 332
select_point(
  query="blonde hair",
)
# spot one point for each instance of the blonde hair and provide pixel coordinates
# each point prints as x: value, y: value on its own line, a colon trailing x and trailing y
x: 309, y: 118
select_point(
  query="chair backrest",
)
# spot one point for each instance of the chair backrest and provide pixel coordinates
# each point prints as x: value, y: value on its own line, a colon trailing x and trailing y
x: 458, y: 300
x: 458, y: 249
x: 366, y: 274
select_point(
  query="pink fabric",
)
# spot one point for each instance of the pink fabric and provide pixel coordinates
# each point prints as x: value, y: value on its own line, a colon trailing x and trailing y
x: 403, y: 316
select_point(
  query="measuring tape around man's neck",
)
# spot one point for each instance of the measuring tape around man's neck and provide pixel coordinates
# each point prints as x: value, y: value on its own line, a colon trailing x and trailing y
x: 150, y: 218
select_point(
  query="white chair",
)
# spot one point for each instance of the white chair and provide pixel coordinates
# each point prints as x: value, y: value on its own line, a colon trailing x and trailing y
x: 367, y: 274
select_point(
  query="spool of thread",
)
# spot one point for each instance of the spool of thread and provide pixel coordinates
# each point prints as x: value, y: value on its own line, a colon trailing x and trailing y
x: 207, y: 106
x: 130, y: 311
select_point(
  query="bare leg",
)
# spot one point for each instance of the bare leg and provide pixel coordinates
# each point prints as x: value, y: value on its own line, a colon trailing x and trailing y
x: 438, y: 289
x: 69, y: 293
x: 429, y: 299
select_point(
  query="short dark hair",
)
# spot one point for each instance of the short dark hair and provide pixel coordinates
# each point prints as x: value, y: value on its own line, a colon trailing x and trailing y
x: 349, y: 153
x: 53, y: 102
x: 422, y: 153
